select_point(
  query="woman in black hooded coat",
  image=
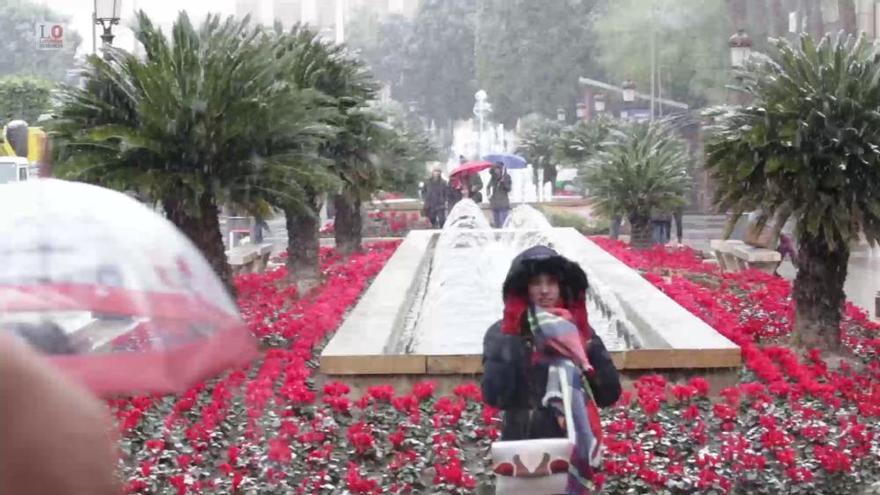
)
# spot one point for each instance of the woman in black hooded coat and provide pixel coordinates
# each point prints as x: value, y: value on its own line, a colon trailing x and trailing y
x: 511, y: 381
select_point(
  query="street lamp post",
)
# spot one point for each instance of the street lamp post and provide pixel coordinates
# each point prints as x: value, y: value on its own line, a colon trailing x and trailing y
x: 481, y: 108
x: 107, y: 14
x: 628, y: 88
x: 740, y: 49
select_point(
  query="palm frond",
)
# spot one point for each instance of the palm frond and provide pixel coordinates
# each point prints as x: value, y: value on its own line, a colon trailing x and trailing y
x: 808, y: 142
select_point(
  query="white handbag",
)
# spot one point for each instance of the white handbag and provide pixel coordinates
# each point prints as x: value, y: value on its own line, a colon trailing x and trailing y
x: 534, y: 461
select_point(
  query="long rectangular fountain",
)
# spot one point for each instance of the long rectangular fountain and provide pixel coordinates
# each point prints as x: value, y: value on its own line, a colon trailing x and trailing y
x: 427, y: 311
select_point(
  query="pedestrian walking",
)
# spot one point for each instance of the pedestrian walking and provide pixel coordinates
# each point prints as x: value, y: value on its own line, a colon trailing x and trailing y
x: 678, y: 215
x: 499, y: 194
x: 474, y: 185
x: 453, y: 193
x: 434, y: 199
x: 616, y: 224
x: 542, y: 344
x: 661, y: 223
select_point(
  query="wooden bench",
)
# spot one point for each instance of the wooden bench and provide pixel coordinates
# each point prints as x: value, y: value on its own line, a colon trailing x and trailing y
x: 249, y: 258
x: 735, y: 256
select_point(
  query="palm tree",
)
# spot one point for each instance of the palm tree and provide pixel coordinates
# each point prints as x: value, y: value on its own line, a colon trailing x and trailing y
x: 355, y: 161
x: 404, y: 149
x: 640, y: 168
x: 579, y: 142
x: 201, y: 120
x: 331, y: 70
x: 808, y: 144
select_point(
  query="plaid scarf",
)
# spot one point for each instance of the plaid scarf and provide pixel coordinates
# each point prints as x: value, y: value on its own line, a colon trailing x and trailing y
x: 558, y: 344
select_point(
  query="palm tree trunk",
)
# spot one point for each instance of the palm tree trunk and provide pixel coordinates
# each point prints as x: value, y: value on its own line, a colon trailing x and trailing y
x: 349, y: 225
x: 203, y: 230
x: 818, y: 292
x: 303, y: 245
x: 640, y: 237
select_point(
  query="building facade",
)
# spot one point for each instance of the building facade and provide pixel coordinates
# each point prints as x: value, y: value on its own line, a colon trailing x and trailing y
x: 253, y: 8
x: 330, y: 16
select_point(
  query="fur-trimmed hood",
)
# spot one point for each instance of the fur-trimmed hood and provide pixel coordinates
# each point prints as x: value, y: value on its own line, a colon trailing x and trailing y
x: 572, y: 284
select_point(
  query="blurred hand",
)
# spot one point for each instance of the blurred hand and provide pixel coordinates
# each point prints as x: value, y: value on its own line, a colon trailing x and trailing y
x: 55, y: 437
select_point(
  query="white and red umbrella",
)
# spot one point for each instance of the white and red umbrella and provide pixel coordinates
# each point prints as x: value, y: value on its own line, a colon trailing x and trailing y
x: 112, y: 292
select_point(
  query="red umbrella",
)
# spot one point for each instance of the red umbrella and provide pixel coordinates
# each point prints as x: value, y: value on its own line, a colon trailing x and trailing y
x: 471, y: 167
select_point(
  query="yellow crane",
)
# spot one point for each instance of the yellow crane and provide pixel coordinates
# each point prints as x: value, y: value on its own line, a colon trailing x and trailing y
x: 22, y: 150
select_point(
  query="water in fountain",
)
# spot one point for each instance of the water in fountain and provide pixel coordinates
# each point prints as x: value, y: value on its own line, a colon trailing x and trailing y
x: 461, y: 294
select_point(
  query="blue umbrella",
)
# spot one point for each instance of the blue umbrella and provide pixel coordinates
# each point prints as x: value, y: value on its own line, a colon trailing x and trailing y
x: 509, y: 161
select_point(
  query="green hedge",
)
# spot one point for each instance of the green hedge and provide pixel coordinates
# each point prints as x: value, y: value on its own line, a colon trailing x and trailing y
x: 24, y: 98
x: 563, y: 219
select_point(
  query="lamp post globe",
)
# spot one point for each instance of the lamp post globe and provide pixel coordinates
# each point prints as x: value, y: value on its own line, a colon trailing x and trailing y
x: 107, y: 14
x: 481, y: 108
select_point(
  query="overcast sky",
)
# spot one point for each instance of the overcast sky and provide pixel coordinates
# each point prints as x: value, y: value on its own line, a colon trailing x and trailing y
x: 163, y: 11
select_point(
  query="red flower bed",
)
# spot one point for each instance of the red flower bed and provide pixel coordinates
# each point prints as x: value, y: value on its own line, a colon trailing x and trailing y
x: 794, y: 424
x: 266, y: 429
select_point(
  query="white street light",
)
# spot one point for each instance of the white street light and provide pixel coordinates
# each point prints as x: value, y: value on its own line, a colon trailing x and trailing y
x: 107, y: 14
x: 629, y: 91
x: 481, y: 109
x: 108, y: 10
x: 740, y: 48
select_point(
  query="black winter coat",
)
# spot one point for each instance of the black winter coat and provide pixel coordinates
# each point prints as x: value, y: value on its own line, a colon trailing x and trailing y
x: 434, y: 195
x: 512, y: 384
x: 499, y: 191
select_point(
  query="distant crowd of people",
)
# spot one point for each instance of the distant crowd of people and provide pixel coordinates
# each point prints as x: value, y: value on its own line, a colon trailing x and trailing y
x: 440, y: 196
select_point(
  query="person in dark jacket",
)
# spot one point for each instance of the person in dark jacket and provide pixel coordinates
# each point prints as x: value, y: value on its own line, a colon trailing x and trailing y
x: 661, y: 224
x: 472, y: 186
x: 515, y: 364
x: 453, y: 193
x: 678, y: 215
x: 434, y: 199
x: 499, y: 194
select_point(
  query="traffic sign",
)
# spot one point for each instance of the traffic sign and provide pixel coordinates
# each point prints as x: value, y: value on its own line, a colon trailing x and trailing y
x: 50, y: 35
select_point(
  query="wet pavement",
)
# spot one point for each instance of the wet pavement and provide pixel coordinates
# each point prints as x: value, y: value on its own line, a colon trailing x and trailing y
x: 862, y: 277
